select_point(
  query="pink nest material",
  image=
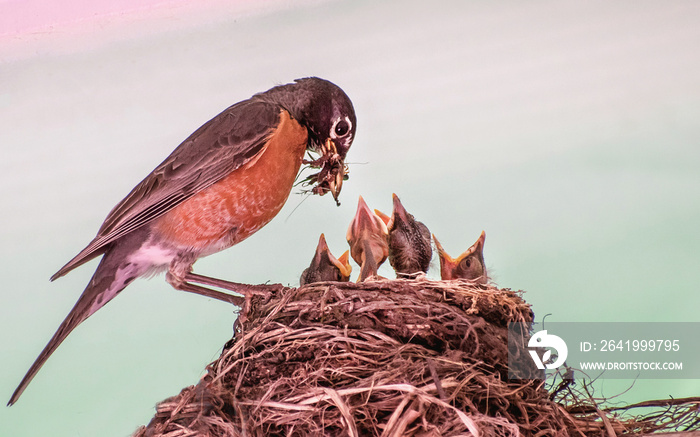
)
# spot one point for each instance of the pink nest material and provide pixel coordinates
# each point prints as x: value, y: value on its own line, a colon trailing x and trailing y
x: 383, y: 358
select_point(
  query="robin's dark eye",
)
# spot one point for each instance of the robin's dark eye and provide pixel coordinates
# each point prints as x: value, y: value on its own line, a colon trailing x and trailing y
x: 340, y: 128
x: 467, y: 262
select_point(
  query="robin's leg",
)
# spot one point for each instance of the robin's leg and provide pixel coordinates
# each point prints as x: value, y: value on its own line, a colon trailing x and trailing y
x: 176, y: 276
x: 261, y: 289
x: 179, y: 284
x: 180, y: 276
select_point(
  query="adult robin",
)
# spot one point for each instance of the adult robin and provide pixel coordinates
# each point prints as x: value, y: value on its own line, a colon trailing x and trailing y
x: 325, y: 267
x: 469, y: 265
x: 410, y: 250
x: 223, y: 183
x: 367, y: 237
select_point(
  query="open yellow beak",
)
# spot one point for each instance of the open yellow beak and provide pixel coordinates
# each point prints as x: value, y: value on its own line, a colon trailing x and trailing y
x: 447, y: 263
x: 343, y: 264
x: 385, y: 218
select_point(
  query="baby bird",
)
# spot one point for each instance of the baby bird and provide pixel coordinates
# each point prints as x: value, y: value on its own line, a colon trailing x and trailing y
x: 409, y: 241
x: 367, y: 237
x: 325, y: 267
x: 469, y: 265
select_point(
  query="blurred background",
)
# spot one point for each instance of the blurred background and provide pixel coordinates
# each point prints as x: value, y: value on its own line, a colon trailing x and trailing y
x: 567, y: 131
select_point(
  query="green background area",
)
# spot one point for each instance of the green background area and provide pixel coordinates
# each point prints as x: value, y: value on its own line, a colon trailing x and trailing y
x: 569, y: 132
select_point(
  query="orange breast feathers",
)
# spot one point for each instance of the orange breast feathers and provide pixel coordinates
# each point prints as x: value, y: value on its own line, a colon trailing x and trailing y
x: 234, y: 208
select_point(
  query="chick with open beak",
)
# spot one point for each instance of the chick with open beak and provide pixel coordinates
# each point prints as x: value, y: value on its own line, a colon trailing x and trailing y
x: 367, y: 237
x: 325, y: 267
x: 410, y: 250
x: 469, y: 265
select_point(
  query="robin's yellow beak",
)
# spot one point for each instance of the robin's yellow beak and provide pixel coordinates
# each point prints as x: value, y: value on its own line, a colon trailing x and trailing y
x: 337, y: 171
x: 322, y: 247
x: 364, y: 222
x: 366, y: 225
x: 336, y: 182
x: 449, y: 266
x: 476, y: 248
x: 447, y: 263
x: 385, y: 218
x: 343, y: 264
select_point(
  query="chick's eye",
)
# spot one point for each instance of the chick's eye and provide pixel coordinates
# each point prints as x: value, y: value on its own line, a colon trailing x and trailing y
x: 340, y: 128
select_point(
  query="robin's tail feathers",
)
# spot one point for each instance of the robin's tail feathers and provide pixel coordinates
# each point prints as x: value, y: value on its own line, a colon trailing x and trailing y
x: 113, y: 274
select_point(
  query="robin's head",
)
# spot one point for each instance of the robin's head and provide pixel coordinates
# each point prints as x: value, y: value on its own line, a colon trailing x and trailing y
x: 469, y: 265
x: 327, y: 112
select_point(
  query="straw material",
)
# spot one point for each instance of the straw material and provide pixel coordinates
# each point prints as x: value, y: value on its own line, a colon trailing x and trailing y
x: 384, y: 358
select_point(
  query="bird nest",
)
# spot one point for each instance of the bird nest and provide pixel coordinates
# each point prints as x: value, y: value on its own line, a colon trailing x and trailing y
x: 382, y: 358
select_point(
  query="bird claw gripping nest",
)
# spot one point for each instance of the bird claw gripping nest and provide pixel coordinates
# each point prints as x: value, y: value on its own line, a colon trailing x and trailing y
x: 332, y: 174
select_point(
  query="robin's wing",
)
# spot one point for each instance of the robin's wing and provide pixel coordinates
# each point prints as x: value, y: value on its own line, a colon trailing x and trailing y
x: 212, y: 152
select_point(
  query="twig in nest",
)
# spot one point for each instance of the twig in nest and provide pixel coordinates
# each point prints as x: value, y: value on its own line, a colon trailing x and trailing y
x: 386, y: 358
